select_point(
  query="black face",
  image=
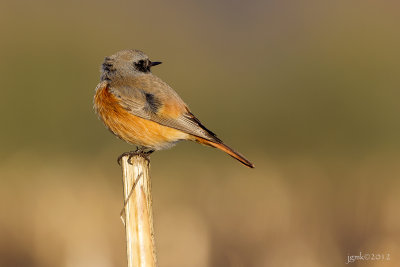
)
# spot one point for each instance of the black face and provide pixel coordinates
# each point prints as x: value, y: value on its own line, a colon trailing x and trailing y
x: 143, y: 65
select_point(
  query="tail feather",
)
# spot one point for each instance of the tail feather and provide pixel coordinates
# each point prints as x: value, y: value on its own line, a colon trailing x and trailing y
x: 227, y: 150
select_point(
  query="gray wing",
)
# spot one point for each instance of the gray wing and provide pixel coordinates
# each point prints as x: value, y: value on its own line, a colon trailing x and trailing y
x: 147, y: 105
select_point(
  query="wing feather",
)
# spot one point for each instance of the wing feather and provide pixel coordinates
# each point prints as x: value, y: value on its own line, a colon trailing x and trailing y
x: 147, y: 105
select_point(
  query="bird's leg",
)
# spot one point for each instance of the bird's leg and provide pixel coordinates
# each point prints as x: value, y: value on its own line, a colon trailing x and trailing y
x: 146, y: 154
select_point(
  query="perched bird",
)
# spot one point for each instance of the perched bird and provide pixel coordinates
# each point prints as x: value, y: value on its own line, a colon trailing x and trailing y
x: 141, y: 109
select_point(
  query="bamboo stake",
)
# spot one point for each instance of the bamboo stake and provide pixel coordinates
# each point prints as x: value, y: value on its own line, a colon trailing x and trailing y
x: 138, y: 212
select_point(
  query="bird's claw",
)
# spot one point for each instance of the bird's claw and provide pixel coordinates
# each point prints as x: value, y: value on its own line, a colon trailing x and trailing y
x: 131, y: 154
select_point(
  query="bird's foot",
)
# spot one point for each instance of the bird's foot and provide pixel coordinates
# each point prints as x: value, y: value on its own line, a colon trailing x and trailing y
x: 130, y: 154
x: 139, y: 151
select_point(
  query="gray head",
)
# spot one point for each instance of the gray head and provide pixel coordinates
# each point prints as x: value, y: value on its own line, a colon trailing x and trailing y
x: 126, y: 63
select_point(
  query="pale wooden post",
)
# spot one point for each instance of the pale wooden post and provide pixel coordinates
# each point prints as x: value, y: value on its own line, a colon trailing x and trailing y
x: 138, y: 212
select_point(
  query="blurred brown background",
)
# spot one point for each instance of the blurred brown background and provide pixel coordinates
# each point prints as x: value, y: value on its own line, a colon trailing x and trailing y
x: 308, y: 90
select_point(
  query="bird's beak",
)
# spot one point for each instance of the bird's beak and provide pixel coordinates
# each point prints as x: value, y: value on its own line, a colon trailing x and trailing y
x: 155, y: 63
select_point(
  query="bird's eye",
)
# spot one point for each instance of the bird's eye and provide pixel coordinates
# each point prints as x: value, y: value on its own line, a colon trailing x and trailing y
x: 142, y: 65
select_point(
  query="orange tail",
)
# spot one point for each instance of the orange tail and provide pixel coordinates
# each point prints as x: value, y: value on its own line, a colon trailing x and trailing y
x: 227, y: 150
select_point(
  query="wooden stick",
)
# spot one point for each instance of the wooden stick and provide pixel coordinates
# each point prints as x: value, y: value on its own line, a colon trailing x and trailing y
x: 138, y: 212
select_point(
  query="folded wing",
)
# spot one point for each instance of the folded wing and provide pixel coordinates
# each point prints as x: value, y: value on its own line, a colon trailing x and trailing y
x: 149, y: 105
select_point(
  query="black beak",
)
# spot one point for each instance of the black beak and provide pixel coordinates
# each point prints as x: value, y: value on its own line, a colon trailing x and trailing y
x: 155, y: 63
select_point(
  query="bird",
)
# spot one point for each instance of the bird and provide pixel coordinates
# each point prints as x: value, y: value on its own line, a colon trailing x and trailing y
x: 140, y: 108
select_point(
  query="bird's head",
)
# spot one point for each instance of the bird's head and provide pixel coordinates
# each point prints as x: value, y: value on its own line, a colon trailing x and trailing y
x: 126, y: 63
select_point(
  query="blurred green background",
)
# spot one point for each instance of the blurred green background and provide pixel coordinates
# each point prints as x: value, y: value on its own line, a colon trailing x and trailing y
x: 308, y: 90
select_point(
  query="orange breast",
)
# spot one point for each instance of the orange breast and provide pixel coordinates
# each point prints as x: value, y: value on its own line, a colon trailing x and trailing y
x: 133, y: 129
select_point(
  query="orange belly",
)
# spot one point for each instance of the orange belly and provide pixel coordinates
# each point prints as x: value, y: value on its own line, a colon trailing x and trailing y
x: 133, y: 129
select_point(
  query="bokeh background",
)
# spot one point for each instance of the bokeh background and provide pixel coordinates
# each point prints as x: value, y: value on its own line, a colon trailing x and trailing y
x: 308, y: 90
